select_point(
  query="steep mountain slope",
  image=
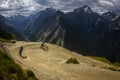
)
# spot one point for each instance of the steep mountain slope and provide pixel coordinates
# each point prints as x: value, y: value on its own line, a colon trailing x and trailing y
x: 9, y: 70
x: 5, y: 35
x: 8, y: 27
x: 116, y: 24
x: 33, y: 27
x: 111, y: 39
x: 79, y: 30
x: 53, y: 29
x: 110, y: 15
x: 51, y: 65
x: 91, y: 26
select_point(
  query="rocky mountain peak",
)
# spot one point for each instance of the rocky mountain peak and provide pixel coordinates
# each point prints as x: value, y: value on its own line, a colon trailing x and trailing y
x: 85, y: 9
x: 50, y: 9
x: 110, y: 15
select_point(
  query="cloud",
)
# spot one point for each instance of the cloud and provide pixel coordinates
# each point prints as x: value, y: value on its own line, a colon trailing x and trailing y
x: 26, y: 7
x: 14, y: 7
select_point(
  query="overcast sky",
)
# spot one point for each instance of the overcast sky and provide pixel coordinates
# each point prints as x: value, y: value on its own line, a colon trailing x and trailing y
x: 26, y: 7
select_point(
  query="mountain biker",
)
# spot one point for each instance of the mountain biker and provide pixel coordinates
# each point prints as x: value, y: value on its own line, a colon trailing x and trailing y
x: 20, y: 50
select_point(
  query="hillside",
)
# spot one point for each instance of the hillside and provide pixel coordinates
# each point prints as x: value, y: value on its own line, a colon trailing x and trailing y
x: 5, y: 35
x: 9, y: 70
x: 51, y: 64
x: 33, y: 27
x: 8, y: 27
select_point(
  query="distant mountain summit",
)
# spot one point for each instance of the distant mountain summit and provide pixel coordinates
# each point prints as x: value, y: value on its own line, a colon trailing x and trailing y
x: 110, y: 15
x: 85, y: 9
x: 116, y: 24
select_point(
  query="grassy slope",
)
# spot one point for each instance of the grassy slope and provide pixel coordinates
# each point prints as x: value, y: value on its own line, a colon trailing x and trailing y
x: 3, y: 40
x: 102, y: 59
x: 6, y: 35
x: 11, y: 71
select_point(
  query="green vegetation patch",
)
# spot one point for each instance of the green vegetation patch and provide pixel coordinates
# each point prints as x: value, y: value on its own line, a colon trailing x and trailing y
x: 9, y: 70
x: 3, y: 40
x: 72, y: 60
x: 116, y: 64
x: 6, y: 35
x: 30, y: 73
x: 111, y: 68
x: 13, y: 41
x: 102, y: 59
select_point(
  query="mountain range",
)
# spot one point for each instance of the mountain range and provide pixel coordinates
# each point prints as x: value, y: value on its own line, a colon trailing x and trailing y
x: 81, y: 30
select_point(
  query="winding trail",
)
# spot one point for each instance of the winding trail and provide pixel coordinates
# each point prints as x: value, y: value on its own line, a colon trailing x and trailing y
x: 51, y: 65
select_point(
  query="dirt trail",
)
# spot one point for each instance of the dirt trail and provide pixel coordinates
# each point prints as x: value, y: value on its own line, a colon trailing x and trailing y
x: 51, y: 65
